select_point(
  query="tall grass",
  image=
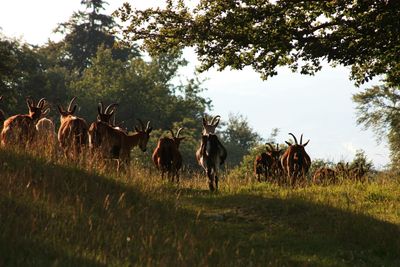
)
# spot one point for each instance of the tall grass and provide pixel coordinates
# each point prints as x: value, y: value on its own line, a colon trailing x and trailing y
x: 62, y: 213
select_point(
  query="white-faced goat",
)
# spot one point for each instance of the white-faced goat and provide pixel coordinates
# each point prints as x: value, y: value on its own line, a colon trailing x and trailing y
x: 166, y: 155
x: 210, y: 126
x: 295, y: 161
x: 20, y: 129
x: 211, y: 153
x: 73, y: 131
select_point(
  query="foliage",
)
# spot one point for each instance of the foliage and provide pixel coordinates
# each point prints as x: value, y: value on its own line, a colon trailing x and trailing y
x: 268, y: 34
x: 378, y: 109
x: 360, y: 159
x: 238, y: 138
x: 85, y: 32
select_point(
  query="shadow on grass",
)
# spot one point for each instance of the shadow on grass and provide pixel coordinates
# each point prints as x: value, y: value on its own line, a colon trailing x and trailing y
x: 301, y: 232
x: 58, y: 215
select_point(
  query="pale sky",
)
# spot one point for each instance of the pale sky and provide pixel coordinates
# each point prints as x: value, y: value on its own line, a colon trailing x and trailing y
x: 319, y: 106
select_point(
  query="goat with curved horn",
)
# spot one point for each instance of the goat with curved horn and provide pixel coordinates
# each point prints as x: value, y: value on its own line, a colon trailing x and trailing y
x: 166, y: 155
x: 20, y: 129
x: 210, y: 126
x: 73, y: 131
x: 295, y: 161
x: 98, y: 129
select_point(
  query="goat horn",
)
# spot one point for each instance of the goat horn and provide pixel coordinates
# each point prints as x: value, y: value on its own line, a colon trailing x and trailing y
x: 301, y: 139
x: 141, y: 123
x: 270, y: 146
x: 294, y: 137
x: 100, y: 106
x: 41, y: 102
x: 147, y: 125
x: 179, y: 131
x: 70, y: 104
x: 214, y: 120
x: 110, y: 107
x: 172, y: 132
x: 29, y: 101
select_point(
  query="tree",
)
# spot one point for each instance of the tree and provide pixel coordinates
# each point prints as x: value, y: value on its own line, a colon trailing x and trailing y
x: 267, y: 34
x: 378, y: 109
x: 238, y: 138
x: 85, y: 32
x: 22, y: 74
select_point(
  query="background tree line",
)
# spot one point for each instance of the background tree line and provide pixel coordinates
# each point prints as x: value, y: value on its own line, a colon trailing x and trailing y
x: 362, y: 35
x: 90, y: 62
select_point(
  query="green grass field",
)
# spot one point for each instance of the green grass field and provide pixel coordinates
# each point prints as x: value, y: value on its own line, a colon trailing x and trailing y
x: 58, y: 214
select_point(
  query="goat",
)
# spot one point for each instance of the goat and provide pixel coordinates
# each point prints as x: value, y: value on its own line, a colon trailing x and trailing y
x: 45, y: 132
x: 20, y: 129
x: 262, y: 164
x: 166, y: 155
x: 73, y: 131
x: 210, y: 155
x: 117, y: 143
x: 295, y: 161
x: 140, y: 138
x: 324, y: 175
x: 268, y: 163
x: 95, y: 130
x: 210, y: 126
x: 275, y: 154
x: 357, y: 172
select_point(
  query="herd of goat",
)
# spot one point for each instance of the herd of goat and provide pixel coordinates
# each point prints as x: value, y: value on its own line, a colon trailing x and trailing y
x: 108, y: 141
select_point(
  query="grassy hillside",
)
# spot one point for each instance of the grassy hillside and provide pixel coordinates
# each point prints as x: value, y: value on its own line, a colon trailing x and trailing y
x: 54, y: 213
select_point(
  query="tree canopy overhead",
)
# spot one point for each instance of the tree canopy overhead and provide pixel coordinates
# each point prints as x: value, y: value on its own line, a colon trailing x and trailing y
x: 267, y: 34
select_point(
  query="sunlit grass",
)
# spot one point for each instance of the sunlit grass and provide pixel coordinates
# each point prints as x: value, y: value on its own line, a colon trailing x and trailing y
x: 55, y: 211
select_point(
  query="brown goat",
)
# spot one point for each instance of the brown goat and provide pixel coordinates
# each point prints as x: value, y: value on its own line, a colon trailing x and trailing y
x: 166, y: 155
x: 324, y: 175
x: 357, y: 172
x: 96, y: 129
x: 20, y: 129
x: 46, y: 136
x: 73, y: 131
x: 275, y: 153
x: 262, y: 165
x: 295, y: 161
x: 117, y: 143
x: 268, y: 163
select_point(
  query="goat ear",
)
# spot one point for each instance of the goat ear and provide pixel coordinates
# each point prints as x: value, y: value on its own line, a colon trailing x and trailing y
x: 60, y: 109
x: 149, y: 130
x: 289, y: 144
